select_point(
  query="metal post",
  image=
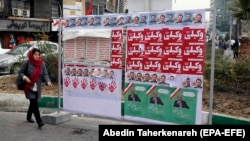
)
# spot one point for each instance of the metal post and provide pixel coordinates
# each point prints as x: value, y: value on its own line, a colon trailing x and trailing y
x: 118, y: 6
x: 146, y: 4
x: 230, y: 31
x: 211, y: 96
x: 59, y: 57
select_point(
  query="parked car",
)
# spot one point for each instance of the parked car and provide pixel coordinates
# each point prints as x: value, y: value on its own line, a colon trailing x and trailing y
x: 11, y: 61
x: 3, y: 50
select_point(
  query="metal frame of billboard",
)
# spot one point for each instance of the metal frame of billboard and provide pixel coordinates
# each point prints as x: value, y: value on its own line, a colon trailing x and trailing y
x: 211, y: 95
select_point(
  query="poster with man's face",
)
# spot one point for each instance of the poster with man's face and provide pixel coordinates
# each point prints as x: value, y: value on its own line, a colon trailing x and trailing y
x: 143, y: 19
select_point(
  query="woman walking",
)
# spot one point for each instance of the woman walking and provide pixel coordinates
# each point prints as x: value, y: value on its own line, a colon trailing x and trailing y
x: 33, y: 72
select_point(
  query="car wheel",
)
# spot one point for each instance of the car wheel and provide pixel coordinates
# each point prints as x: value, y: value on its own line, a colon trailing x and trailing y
x: 15, y: 69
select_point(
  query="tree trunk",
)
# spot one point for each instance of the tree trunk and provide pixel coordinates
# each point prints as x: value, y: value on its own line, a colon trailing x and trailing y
x: 244, y: 48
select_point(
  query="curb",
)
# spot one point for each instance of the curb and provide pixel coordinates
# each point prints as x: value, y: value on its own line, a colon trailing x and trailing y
x: 17, y: 102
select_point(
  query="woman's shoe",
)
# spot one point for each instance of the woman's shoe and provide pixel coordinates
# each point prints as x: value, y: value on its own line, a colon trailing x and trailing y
x: 40, y: 124
x: 30, y: 120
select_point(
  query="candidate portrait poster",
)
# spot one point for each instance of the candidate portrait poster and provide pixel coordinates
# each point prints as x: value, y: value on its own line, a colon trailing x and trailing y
x: 163, y: 68
x: 91, y: 75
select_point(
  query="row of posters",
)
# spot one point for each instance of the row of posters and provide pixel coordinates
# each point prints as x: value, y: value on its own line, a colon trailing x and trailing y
x: 92, y: 74
x: 166, y: 50
x: 164, y: 74
x: 163, y: 69
x: 160, y: 103
x: 149, y: 19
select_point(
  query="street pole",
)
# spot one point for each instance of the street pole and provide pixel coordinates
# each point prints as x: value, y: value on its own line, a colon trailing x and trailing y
x: 118, y: 6
x: 211, y: 95
x: 59, y: 57
x: 230, y: 32
x: 146, y: 2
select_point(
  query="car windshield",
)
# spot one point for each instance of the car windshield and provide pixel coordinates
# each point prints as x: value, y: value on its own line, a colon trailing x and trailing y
x: 20, y: 49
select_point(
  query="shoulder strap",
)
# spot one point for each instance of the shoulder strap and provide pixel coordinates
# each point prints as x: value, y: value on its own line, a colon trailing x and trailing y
x: 26, y: 68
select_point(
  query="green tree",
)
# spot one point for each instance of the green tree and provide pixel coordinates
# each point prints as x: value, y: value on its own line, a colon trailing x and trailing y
x: 240, y: 9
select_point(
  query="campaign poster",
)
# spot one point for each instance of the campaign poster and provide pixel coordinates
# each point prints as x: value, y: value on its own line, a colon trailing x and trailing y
x: 91, y: 21
x: 87, y: 86
x: 173, y: 35
x: 98, y: 22
x: 173, y: 50
x: 113, y: 21
x: 193, y: 66
x: 80, y: 44
x: 159, y: 102
x: 134, y: 64
x: 194, y: 50
x: 127, y: 19
x: 178, y: 18
x: 161, y: 18
x: 199, y: 17
x: 135, y: 50
x: 121, y: 19
x: 170, y: 18
x: 135, y: 20
x: 172, y: 65
x: 116, y: 35
x: 116, y: 61
x: 106, y: 20
x: 153, y: 35
x: 143, y: 19
x: 135, y: 36
x: 183, y: 105
x: 152, y: 64
x: 188, y: 18
x: 104, y: 50
x: 66, y: 23
x: 194, y: 35
x: 152, y: 19
x: 135, y: 99
x: 81, y: 22
x: 165, y: 52
x: 69, y: 50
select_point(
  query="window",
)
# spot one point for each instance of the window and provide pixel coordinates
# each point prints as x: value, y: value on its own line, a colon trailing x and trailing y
x: 20, y: 49
x: 101, y: 9
x: 98, y: 10
x: 95, y: 10
x: 47, y: 48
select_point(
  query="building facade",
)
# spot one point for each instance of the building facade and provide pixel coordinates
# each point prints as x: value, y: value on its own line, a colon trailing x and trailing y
x: 23, y: 20
x: 26, y: 20
x: 148, y: 5
x: 223, y: 18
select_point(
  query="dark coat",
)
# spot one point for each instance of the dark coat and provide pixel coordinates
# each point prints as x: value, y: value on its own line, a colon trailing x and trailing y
x: 43, y: 76
x: 183, y: 104
x: 158, y: 101
x: 136, y: 98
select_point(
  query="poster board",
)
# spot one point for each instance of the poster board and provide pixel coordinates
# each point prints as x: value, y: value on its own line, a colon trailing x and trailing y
x: 164, y: 58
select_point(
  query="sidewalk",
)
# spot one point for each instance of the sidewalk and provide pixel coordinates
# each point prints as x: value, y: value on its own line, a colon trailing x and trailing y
x: 228, y: 55
x: 13, y: 127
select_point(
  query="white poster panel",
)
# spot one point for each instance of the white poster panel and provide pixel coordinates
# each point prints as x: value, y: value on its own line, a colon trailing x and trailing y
x: 91, y: 82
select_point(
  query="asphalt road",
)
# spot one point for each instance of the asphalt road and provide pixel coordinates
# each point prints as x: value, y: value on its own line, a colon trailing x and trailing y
x: 13, y: 127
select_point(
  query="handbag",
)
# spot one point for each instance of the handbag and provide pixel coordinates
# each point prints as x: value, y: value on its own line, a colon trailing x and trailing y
x: 20, y: 83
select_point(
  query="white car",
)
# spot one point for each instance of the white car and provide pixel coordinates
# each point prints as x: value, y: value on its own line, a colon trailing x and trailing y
x: 11, y: 61
x: 3, y: 50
